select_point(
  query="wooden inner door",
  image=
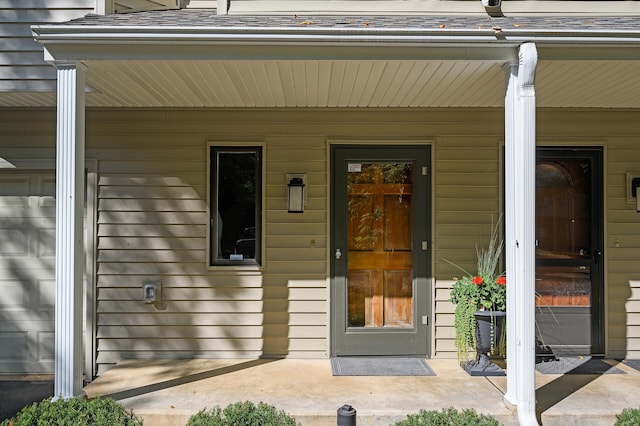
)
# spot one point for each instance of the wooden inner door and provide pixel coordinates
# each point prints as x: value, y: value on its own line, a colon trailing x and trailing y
x: 379, y: 276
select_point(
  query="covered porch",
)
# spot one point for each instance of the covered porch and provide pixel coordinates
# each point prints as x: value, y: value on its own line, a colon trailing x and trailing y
x: 339, y: 64
x: 167, y: 392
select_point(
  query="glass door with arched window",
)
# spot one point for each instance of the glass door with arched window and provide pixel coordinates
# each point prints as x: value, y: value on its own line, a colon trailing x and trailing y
x: 569, y: 270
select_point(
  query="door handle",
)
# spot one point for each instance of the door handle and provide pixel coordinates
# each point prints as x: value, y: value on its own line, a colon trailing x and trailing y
x: 338, y: 254
x: 596, y: 256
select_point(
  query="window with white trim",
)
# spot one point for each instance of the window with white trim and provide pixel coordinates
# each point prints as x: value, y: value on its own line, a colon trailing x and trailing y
x: 236, y: 205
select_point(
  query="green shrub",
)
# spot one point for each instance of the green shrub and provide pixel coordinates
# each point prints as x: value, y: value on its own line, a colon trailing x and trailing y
x: 242, y: 413
x: 628, y: 417
x: 448, y: 417
x: 74, y: 412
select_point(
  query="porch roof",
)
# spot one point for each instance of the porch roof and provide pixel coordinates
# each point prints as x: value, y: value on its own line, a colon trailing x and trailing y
x: 196, y: 58
x: 208, y: 18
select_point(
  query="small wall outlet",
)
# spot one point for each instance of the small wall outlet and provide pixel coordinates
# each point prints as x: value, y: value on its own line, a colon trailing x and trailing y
x: 149, y: 293
x: 152, y: 294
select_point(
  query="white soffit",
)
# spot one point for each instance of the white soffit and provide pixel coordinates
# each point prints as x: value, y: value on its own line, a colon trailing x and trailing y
x: 287, y: 83
x: 355, y: 84
x: 343, y: 83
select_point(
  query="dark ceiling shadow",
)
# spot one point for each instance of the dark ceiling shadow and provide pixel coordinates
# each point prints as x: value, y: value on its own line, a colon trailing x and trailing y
x: 154, y: 387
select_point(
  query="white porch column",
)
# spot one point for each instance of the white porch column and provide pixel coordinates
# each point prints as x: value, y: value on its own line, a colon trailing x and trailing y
x: 520, y: 127
x: 511, y: 70
x: 69, y: 229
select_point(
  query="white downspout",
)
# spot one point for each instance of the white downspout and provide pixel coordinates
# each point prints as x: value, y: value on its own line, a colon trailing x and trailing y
x: 223, y: 7
x: 525, y: 162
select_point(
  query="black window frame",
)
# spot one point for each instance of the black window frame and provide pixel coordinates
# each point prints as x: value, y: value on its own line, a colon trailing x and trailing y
x: 214, y: 191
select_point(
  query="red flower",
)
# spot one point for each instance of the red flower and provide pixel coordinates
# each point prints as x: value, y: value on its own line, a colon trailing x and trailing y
x: 501, y: 280
x: 477, y: 280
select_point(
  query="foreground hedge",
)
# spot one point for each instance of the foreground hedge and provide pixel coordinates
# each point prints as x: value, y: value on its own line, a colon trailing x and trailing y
x: 448, y: 417
x: 628, y: 417
x: 242, y: 413
x: 74, y: 412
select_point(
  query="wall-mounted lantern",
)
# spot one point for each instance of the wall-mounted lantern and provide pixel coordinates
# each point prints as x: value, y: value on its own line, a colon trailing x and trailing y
x: 635, y: 184
x: 633, y: 188
x: 295, y: 193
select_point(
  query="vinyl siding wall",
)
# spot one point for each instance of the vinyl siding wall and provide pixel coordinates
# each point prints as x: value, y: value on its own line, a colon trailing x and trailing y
x: 152, y: 220
x: 127, y: 6
x: 430, y: 7
x: 22, y: 66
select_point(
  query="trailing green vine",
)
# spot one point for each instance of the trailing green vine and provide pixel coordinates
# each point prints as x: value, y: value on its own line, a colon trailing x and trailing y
x: 465, y: 324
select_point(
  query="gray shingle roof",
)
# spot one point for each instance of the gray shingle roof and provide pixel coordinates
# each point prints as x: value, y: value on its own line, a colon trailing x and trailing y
x: 209, y: 18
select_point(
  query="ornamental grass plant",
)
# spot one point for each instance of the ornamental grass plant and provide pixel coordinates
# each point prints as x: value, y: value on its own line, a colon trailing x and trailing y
x: 484, y: 290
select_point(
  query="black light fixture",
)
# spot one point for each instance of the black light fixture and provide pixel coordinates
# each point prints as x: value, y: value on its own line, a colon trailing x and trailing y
x: 635, y: 184
x: 295, y: 194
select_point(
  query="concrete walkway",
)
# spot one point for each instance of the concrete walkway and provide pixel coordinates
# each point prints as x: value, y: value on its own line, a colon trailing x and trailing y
x: 167, y: 392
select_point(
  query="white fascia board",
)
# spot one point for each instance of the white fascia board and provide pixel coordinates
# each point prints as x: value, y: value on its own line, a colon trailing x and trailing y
x: 84, y: 42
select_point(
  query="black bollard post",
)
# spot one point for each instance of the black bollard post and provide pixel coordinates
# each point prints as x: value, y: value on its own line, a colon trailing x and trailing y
x: 346, y: 416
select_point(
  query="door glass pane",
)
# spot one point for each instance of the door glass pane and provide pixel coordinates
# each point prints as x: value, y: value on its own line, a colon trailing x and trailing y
x: 379, y: 217
x: 563, y: 286
x: 563, y: 208
x: 563, y: 231
x: 565, y: 251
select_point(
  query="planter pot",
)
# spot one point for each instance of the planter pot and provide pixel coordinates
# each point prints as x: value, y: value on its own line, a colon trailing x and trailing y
x: 488, y: 326
x: 485, y: 320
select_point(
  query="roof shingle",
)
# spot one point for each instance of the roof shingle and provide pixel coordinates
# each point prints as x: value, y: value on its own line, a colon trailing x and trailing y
x: 209, y: 18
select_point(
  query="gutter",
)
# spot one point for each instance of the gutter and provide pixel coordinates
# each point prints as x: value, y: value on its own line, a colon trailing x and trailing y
x: 96, y: 42
x: 49, y: 33
x: 83, y: 42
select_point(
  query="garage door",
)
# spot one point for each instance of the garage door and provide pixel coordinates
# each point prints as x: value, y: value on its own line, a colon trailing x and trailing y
x: 27, y: 272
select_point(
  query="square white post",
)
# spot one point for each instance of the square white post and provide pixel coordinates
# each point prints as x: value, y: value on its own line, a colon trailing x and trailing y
x: 69, y: 229
x: 520, y: 138
x: 510, y: 190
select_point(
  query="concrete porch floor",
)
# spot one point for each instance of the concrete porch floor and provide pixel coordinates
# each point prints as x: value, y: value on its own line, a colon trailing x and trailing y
x: 167, y: 392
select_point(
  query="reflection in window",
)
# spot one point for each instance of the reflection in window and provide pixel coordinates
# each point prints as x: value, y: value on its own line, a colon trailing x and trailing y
x: 235, y: 205
x: 550, y: 175
x: 563, y: 286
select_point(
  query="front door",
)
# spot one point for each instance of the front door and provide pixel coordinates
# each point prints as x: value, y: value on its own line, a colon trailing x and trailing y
x: 569, y: 262
x: 380, y: 250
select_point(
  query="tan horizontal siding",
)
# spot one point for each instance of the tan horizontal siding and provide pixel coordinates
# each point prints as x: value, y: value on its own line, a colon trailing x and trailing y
x: 218, y: 294
x: 467, y: 197
x: 153, y: 215
x: 214, y: 306
x: 219, y: 319
x: 152, y: 225
x: 190, y: 331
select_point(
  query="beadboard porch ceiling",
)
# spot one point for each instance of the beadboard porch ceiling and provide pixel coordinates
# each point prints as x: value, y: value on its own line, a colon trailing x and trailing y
x: 343, y: 84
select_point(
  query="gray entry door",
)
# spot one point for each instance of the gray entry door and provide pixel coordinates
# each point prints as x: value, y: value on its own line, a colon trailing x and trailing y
x: 380, y: 250
x: 569, y: 260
